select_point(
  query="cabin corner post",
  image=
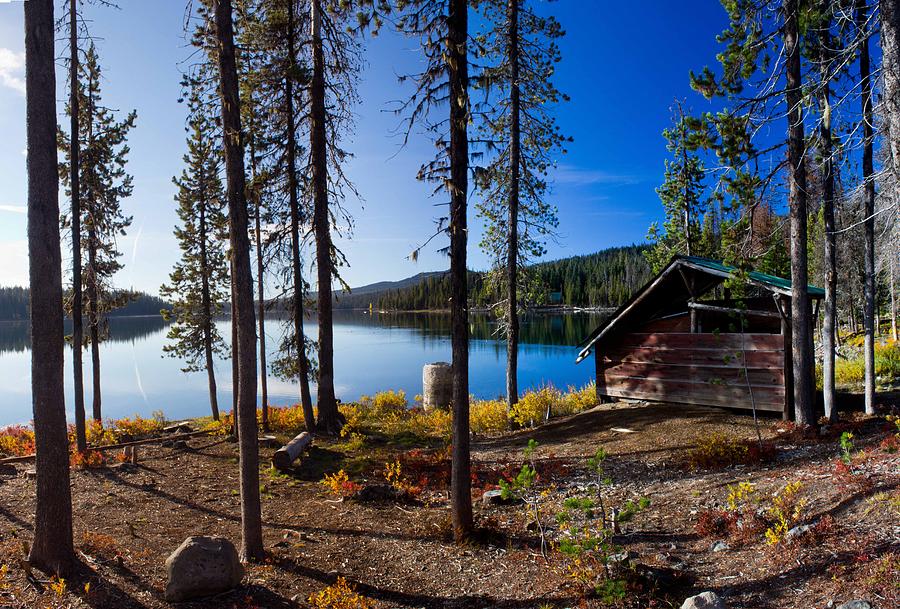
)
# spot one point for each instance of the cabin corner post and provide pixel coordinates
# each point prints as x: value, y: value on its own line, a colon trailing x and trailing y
x: 600, y: 383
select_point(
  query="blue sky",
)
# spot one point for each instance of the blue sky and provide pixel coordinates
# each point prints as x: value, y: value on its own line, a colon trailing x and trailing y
x: 623, y: 64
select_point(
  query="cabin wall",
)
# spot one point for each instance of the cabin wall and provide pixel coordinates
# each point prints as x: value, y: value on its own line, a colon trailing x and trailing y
x: 700, y: 369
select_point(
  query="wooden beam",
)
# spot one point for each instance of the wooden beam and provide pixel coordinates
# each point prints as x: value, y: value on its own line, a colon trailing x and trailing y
x: 25, y: 458
x: 748, y: 312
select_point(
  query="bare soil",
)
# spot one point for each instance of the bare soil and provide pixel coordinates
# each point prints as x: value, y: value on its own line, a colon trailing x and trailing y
x: 128, y: 519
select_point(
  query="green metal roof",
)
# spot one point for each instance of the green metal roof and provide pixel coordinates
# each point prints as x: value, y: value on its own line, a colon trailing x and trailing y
x: 778, y: 283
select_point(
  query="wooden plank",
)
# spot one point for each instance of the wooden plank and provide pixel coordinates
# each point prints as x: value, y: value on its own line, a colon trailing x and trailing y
x: 680, y: 340
x: 766, y: 398
x: 679, y: 323
x: 709, y: 374
x: 700, y: 357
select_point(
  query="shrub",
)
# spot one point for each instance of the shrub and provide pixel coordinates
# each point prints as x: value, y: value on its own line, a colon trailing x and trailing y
x: 887, y: 366
x: 488, y: 416
x: 786, y: 510
x: 87, y: 459
x: 721, y: 450
x: 16, y: 441
x: 339, y: 484
x: 135, y: 428
x: 576, y: 400
x: 533, y: 406
x: 339, y: 595
x: 285, y: 419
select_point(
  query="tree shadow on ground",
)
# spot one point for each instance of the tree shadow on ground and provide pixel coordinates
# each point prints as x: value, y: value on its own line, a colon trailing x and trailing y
x: 407, y: 599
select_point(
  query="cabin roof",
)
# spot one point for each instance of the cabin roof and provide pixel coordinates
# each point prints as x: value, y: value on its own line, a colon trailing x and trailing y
x: 683, y: 279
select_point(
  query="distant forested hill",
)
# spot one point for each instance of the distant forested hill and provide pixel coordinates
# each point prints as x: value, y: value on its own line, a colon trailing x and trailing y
x: 14, y: 304
x: 603, y: 279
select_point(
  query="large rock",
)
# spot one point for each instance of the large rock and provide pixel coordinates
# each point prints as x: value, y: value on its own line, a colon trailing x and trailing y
x: 705, y: 600
x: 857, y: 604
x: 202, y: 566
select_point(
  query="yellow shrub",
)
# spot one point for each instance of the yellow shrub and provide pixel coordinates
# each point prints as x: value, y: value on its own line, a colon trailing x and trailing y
x: 137, y: 427
x: 577, y: 400
x: 339, y: 484
x: 353, y: 418
x: 488, y: 416
x: 786, y: 509
x: 16, y: 441
x: 739, y: 494
x: 532, y: 407
x: 339, y: 595
x: 286, y: 419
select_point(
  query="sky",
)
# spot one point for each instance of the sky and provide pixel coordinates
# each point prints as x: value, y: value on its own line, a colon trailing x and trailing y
x: 623, y: 64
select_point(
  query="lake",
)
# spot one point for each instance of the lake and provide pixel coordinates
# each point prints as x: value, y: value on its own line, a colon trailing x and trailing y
x: 372, y: 353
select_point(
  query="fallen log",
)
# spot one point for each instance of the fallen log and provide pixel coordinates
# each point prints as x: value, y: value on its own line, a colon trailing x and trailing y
x: 26, y: 458
x: 290, y: 452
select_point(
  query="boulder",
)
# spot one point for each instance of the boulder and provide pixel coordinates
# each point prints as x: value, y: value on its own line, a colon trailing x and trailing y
x: 857, y: 604
x: 720, y: 546
x: 202, y: 566
x: 8, y: 469
x: 704, y: 600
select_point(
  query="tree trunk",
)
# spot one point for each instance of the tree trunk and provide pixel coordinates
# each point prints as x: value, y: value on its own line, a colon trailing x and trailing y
x: 260, y: 284
x: 94, y: 319
x: 892, y: 260
x: 302, y: 363
x: 890, y: 66
x: 512, y: 254
x: 74, y: 177
x: 51, y: 549
x: 235, y: 359
x: 92, y: 283
x: 458, y: 63
x: 207, y: 311
x: 868, y: 212
x: 242, y: 280
x: 801, y: 334
x: 329, y: 420
x: 830, y: 309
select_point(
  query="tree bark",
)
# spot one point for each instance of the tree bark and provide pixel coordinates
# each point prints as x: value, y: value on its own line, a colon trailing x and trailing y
x: 242, y: 280
x: 329, y: 420
x: 890, y: 66
x: 94, y: 318
x: 207, y: 311
x: 868, y: 212
x: 260, y: 284
x: 801, y: 333
x: 52, y: 548
x: 74, y: 177
x: 458, y: 63
x: 302, y: 363
x: 830, y: 306
x: 512, y: 255
x: 92, y: 287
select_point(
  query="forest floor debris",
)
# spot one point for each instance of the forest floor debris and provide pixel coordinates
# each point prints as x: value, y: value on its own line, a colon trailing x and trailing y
x: 812, y: 522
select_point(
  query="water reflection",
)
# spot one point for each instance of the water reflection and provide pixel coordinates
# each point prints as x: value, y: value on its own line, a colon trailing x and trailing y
x: 372, y: 353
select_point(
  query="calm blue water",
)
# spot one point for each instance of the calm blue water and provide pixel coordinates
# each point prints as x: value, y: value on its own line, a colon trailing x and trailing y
x: 372, y: 353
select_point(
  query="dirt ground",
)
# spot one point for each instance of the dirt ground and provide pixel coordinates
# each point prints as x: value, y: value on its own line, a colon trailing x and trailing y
x: 128, y: 519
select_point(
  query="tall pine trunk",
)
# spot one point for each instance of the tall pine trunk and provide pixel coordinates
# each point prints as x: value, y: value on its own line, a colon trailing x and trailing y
x: 207, y: 312
x: 302, y: 363
x: 260, y: 284
x: 74, y: 177
x: 329, y: 421
x: 51, y: 549
x: 512, y: 255
x: 801, y: 333
x: 458, y: 63
x: 890, y: 65
x: 829, y: 314
x: 868, y: 211
x: 93, y: 288
x: 242, y: 281
x: 94, y: 318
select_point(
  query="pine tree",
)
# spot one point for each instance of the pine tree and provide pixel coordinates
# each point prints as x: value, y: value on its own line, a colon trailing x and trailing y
x: 242, y: 282
x: 442, y: 29
x: 334, y: 57
x: 522, y: 137
x: 682, y: 194
x: 51, y: 549
x: 104, y: 183
x: 199, y: 284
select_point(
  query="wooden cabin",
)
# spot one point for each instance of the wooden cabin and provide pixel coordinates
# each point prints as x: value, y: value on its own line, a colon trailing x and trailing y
x: 685, y: 338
